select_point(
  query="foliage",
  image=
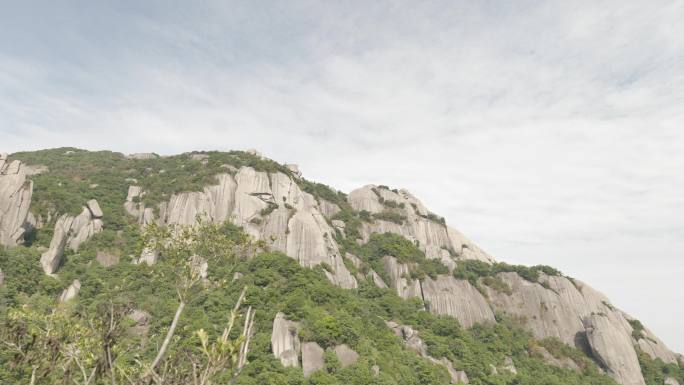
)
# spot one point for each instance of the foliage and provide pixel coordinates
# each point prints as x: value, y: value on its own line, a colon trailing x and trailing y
x: 473, y: 270
x: 655, y: 371
x: 637, y: 329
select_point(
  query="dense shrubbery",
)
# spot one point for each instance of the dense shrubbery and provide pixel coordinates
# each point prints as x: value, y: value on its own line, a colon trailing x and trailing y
x: 656, y: 371
x: 472, y: 270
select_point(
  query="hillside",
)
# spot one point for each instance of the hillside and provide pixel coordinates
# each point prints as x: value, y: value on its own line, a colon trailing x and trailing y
x: 103, y: 253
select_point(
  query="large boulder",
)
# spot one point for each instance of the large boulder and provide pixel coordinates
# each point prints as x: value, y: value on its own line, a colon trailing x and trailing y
x: 285, y: 343
x: 70, y: 292
x: 312, y: 358
x: 399, y: 275
x: 346, y: 355
x: 458, y: 298
x: 613, y: 350
x: 269, y: 207
x: 437, y: 240
x: 15, y: 200
x: 72, y: 232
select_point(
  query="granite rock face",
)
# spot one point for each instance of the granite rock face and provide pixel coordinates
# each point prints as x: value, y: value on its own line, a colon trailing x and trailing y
x: 70, y: 232
x: 568, y: 310
x: 346, y: 355
x: 71, y: 291
x: 458, y: 298
x: 399, y: 274
x: 312, y: 358
x: 437, y: 240
x: 413, y: 341
x: 269, y: 206
x: 613, y: 350
x: 285, y: 343
x: 15, y: 201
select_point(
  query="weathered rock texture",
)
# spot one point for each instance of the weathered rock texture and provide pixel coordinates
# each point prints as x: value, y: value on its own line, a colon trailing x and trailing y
x: 312, y: 358
x: 346, y: 355
x: 613, y: 350
x: 285, y: 342
x: 400, y: 281
x: 70, y: 232
x: 269, y: 206
x: 437, y: 240
x: 458, y: 298
x: 71, y: 291
x: 15, y: 200
x: 415, y: 343
x: 567, y: 310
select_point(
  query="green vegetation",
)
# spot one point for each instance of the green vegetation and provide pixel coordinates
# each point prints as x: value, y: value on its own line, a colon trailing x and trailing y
x: 637, y: 329
x: 329, y: 315
x: 109, y: 345
x: 472, y: 270
x: 390, y: 216
x: 656, y: 371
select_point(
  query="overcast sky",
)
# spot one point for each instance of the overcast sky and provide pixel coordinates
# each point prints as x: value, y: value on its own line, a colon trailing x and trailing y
x: 548, y: 131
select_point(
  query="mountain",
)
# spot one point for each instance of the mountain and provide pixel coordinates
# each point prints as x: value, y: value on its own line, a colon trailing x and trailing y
x: 358, y: 288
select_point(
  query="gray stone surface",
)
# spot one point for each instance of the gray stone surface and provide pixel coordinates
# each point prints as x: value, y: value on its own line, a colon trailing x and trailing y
x: 285, y: 343
x: 433, y: 237
x: 15, y: 200
x: 346, y: 355
x: 312, y: 358
x: 447, y: 295
x: 72, y: 232
x: 561, y: 362
x: 94, y: 208
x: 296, y: 227
x: 399, y: 274
x: 613, y: 349
x: 71, y: 291
x: 410, y: 337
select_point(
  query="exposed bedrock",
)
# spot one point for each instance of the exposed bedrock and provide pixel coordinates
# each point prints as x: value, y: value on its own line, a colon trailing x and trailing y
x: 71, y: 232
x: 613, y: 350
x: 15, y: 201
x: 270, y: 207
x: 285, y: 343
x: 437, y: 240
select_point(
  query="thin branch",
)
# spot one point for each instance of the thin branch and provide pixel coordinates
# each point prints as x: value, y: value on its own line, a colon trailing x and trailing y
x: 167, y: 340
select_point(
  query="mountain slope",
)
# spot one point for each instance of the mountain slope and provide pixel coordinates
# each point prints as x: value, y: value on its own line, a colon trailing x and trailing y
x: 497, y: 323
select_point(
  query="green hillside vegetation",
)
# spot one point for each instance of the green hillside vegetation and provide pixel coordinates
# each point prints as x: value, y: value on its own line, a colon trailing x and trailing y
x: 273, y: 282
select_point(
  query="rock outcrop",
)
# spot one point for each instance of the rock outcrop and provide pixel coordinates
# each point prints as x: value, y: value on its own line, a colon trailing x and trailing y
x: 458, y: 298
x: 70, y: 232
x: 312, y: 358
x: 556, y: 306
x: 561, y: 362
x: 269, y: 206
x: 71, y: 291
x: 15, y: 200
x: 346, y: 355
x: 399, y: 275
x: 415, y: 343
x: 437, y: 240
x: 285, y: 343
x: 613, y: 350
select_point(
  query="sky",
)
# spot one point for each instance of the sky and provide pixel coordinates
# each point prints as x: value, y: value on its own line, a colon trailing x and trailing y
x: 549, y: 132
